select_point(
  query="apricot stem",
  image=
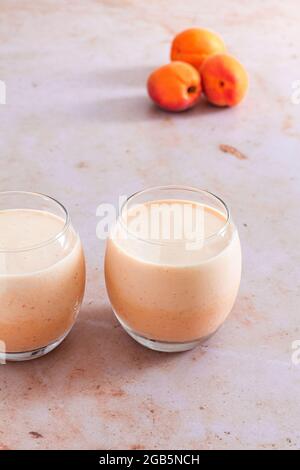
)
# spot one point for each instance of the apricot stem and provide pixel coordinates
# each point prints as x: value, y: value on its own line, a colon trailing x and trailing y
x: 191, y: 89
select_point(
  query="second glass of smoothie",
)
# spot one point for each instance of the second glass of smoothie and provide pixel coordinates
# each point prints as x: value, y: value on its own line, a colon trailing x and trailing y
x: 173, y: 267
x: 42, y: 275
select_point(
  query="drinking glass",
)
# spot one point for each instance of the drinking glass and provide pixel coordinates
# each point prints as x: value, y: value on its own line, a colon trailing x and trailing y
x: 173, y: 266
x: 42, y: 275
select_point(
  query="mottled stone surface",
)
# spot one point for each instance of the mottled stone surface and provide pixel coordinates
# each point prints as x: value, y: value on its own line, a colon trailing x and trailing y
x: 79, y: 126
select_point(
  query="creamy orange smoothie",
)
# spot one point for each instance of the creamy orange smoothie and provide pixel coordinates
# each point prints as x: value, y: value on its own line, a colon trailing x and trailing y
x: 41, y: 284
x: 166, y: 290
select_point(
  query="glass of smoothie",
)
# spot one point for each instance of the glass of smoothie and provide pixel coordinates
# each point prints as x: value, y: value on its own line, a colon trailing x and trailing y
x: 42, y: 275
x: 173, y: 266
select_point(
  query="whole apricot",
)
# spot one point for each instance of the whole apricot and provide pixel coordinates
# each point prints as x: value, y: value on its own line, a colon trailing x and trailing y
x: 224, y: 80
x: 195, y: 45
x: 175, y: 86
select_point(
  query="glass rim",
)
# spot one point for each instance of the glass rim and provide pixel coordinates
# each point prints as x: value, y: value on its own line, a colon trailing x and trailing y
x: 50, y: 240
x: 191, y: 189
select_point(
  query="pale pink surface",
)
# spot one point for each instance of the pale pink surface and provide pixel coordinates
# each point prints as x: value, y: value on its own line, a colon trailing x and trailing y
x: 79, y: 126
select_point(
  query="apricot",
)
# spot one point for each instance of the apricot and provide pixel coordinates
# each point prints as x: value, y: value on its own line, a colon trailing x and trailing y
x: 175, y: 86
x: 224, y: 80
x: 195, y: 45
